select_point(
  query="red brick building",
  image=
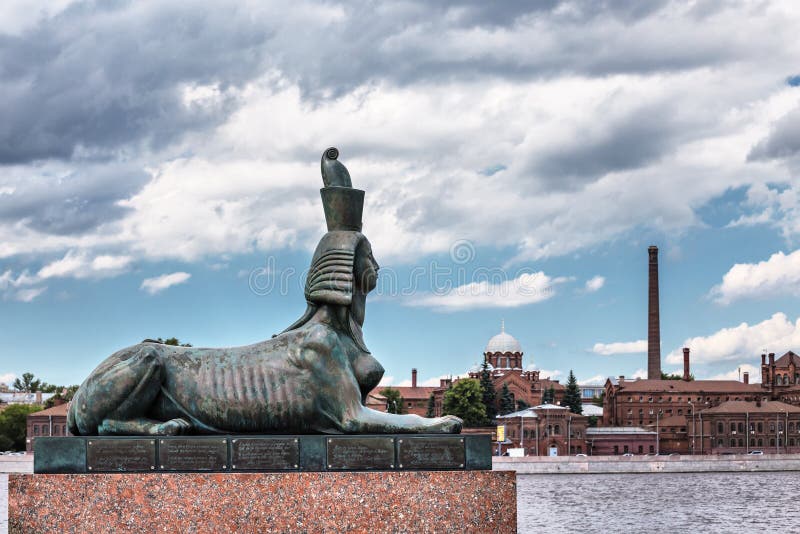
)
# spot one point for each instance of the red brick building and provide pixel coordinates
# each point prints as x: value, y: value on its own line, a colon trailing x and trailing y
x: 616, y: 440
x: 740, y: 427
x: 49, y: 422
x: 545, y: 430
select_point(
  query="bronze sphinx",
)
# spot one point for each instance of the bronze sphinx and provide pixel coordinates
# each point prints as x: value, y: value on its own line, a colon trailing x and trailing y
x: 313, y: 377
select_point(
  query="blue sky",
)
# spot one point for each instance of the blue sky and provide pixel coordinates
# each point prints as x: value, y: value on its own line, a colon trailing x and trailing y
x: 161, y: 178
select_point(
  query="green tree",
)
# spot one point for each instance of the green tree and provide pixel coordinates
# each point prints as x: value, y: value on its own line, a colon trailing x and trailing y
x: 431, y: 411
x: 28, y: 384
x: 572, y: 395
x: 465, y: 400
x: 14, y: 423
x: 674, y: 376
x: 61, y: 393
x: 598, y: 401
x: 521, y: 405
x: 489, y: 394
x: 174, y: 341
x: 592, y: 421
x: 549, y: 395
x: 394, y: 401
x: 506, y: 401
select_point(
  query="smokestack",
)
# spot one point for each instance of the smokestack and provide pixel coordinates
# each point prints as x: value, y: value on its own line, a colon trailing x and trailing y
x: 686, y: 363
x: 763, y: 359
x: 653, y: 326
x: 746, y: 377
x: 413, y: 378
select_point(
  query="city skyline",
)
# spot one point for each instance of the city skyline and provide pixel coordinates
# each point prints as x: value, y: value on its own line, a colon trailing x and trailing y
x: 517, y: 163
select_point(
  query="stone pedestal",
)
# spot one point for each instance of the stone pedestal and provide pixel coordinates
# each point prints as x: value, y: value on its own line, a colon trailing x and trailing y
x: 394, y: 501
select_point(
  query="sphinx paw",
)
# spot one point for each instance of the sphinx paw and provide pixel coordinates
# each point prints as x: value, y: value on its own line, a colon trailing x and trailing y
x: 450, y: 424
x: 174, y: 427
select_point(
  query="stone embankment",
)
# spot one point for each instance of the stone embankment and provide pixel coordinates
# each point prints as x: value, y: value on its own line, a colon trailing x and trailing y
x: 542, y: 465
x: 16, y: 464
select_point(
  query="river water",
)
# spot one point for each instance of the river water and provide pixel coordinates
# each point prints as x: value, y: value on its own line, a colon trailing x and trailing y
x: 672, y: 503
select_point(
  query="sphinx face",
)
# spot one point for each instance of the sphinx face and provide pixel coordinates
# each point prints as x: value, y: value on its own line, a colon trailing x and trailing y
x: 366, y: 268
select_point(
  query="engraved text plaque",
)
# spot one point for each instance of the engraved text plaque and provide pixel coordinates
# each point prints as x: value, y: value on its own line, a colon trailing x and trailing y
x: 193, y: 454
x: 267, y: 454
x: 120, y: 455
x: 430, y: 453
x: 363, y: 453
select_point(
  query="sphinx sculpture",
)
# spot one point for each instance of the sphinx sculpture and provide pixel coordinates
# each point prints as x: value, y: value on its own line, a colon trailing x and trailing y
x: 312, y: 378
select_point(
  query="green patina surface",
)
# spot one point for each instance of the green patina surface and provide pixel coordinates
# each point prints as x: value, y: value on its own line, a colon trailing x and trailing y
x: 312, y: 378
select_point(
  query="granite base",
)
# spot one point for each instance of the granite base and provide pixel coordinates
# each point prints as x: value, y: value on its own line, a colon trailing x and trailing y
x: 401, y: 501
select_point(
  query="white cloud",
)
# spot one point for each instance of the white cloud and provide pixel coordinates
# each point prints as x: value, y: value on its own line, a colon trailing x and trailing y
x: 527, y: 288
x: 596, y: 379
x: 743, y: 342
x: 546, y: 373
x: 29, y: 294
x: 738, y: 372
x: 7, y: 378
x: 160, y: 283
x: 79, y: 265
x: 639, y: 373
x: 594, y: 284
x: 779, y: 275
x: 621, y: 347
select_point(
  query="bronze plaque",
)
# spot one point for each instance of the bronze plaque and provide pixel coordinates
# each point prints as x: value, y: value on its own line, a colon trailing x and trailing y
x: 268, y: 454
x: 430, y: 453
x: 193, y: 454
x: 360, y: 454
x: 120, y: 455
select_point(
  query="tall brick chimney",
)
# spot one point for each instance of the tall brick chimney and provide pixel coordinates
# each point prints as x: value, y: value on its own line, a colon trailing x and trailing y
x: 746, y: 377
x: 686, y: 363
x: 414, y: 378
x: 653, y: 323
x: 771, y: 369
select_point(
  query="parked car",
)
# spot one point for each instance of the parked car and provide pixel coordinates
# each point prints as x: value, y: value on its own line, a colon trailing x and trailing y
x: 628, y: 454
x: 580, y: 455
x: 755, y: 453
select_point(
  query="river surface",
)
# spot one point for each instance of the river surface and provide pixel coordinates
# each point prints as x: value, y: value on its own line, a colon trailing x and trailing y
x: 672, y: 503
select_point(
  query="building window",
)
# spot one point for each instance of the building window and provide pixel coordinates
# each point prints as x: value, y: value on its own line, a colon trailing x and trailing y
x: 791, y: 426
x: 772, y: 428
x: 741, y: 443
x: 35, y: 430
x: 760, y: 442
x: 720, y: 428
x: 760, y: 428
x: 772, y: 442
x: 641, y: 449
x: 752, y: 442
x: 733, y: 428
x: 740, y: 427
x: 680, y: 412
x: 625, y: 449
x: 652, y: 449
x: 752, y: 428
x: 733, y: 442
x: 558, y: 430
x: 616, y: 449
x: 719, y: 442
x: 780, y: 426
x: 791, y: 442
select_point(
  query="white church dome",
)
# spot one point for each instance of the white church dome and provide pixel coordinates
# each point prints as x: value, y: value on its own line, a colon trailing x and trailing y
x: 503, y: 342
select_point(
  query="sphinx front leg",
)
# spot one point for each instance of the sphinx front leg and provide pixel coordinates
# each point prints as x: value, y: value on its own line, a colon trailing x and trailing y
x: 144, y: 426
x: 368, y: 421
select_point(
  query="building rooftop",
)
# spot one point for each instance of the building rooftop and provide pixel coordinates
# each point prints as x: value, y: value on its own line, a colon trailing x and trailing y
x: 694, y: 386
x: 59, y: 410
x: 752, y: 407
x: 786, y: 359
x: 592, y: 410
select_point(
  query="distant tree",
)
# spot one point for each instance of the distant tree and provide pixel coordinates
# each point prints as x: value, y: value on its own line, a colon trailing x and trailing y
x: 598, y: 401
x: 674, y: 376
x: 28, y: 384
x: 394, y: 401
x: 521, y: 405
x: 572, y: 395
x: 6, y: 443
x: 431, y: 410
x: 506, y: 401
x: 465, y: 400
x: 169, y: 341
x: 14, y: 423
x: 489, y: 394
x: 62, y: 393
x: 549, y: 395
x: 592, y: 421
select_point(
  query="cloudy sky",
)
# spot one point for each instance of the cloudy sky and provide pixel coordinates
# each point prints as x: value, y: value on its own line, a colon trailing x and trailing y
x: 159, y: 176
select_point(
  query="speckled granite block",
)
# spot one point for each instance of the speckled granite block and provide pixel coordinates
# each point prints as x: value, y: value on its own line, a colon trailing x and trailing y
x: 411, y: 501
